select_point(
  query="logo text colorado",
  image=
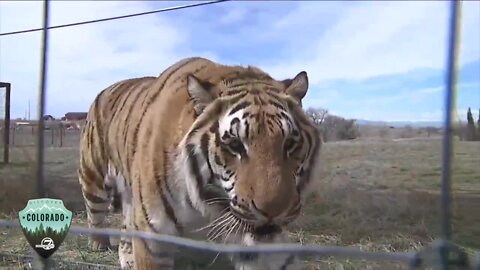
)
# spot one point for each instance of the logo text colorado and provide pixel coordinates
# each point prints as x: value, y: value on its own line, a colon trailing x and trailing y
x: 45, y: 223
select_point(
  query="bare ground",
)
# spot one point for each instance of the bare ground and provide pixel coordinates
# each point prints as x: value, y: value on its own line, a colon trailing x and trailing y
x: 376, y: 195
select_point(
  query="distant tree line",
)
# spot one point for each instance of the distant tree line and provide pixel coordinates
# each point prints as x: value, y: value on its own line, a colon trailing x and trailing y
x: 333, y: 127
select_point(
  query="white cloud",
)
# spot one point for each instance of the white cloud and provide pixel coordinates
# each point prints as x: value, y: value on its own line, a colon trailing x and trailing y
x: 84, y: 59
x: 413, y: 96
x: 376, y: 38
x: 330, y: 40
x: 327, y: 97
x: 470, y: 31
x: 233, y: 15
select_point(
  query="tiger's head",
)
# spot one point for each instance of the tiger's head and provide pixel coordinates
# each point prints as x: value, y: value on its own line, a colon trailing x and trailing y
x: 251, y: 149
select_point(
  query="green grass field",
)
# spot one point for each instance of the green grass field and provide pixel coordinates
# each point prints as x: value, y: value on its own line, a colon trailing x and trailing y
x: 378, y: 195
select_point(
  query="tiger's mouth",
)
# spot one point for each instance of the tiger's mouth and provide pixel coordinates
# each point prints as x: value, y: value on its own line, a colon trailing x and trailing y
x: 244, y: 220
x: 229, y: 225
x: 258, y: 230
x: 266, y: 230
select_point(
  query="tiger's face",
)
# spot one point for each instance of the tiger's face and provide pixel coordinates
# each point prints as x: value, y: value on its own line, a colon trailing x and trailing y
x: 254, y: 152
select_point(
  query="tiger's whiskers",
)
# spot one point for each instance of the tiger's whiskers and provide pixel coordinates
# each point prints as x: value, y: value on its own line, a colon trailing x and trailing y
x: 220, y: 228
x: 223, y: 214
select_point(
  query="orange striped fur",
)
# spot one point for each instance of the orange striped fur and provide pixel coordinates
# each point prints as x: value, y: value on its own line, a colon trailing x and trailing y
x: 223, y: 150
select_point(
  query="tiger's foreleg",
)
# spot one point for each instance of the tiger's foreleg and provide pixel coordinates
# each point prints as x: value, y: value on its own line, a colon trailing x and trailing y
x: 151, y: 215
x: 125, y: 250
x: 269, y: 262
x: 96, y: 203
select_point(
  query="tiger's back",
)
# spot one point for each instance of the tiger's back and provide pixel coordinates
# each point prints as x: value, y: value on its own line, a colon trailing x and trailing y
x: 146, y: 140
x: 111, y: 132
x: 110, y: 139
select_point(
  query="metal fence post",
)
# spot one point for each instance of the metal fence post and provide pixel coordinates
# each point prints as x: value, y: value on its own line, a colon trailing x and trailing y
x: 450, y: 82
x: 41, y: 263
x: 6, y: 131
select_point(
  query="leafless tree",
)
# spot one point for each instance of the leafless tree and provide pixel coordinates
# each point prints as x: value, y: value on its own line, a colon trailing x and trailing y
x: 317, y: 115
x: 478, y: 126
x: 333, y: 127
x: 470, y: 126
x: 432, y: 130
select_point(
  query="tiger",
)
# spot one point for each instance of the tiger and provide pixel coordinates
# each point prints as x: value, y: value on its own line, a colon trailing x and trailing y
x: 205, y: 146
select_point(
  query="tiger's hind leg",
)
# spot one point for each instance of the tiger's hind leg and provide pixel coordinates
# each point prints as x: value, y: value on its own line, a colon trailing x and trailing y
x: 95, y: 189
x: 96, y: 203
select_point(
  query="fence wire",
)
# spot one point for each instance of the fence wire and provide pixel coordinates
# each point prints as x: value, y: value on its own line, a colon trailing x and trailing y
x: 441, y: 247
x: 284, y: 248
x: 204, y: 3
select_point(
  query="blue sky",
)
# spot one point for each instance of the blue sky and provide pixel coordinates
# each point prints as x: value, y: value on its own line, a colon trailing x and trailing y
x: 373, y: 60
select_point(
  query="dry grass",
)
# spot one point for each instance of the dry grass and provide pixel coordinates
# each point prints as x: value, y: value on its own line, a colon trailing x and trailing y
x: 375, y: 195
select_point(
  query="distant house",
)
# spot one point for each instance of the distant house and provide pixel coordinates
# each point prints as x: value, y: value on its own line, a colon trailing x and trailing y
x: 48, y: 118
x: 75, y: 116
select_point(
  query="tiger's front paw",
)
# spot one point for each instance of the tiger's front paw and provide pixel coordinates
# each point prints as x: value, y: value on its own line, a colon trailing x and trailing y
x: 268, y: 262
x: 126, y: 262
x: 114, y: 242
x: 99, y: 242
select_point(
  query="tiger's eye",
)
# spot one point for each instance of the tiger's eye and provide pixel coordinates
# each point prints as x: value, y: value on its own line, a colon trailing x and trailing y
x: 236, y: 145
x: 289, y: 144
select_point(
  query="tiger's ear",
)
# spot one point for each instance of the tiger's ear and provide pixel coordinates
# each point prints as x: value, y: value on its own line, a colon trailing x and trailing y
x: 200, y: 93
x: 297, y: 87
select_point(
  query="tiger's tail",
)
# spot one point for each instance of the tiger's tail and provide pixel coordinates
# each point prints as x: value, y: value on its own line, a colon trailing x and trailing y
x: 113, y: 185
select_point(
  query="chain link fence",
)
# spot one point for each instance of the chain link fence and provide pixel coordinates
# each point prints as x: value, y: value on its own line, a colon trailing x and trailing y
x: 441, y: 254
x: 55, y: 134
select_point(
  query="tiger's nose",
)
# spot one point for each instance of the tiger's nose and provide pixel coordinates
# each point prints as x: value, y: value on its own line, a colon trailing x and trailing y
x: 255, y: 207
x: 274, y: 213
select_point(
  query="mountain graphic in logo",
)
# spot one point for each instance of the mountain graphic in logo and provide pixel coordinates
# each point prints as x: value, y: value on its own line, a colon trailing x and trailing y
x: 45, y: 223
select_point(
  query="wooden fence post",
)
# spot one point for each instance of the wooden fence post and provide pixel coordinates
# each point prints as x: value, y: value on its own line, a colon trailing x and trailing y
x: 13, y: 136
x: 61, y: 136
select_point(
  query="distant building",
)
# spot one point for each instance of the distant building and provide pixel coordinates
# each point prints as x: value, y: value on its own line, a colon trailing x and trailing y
x: 75, y: 116
x: 48, y: 118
